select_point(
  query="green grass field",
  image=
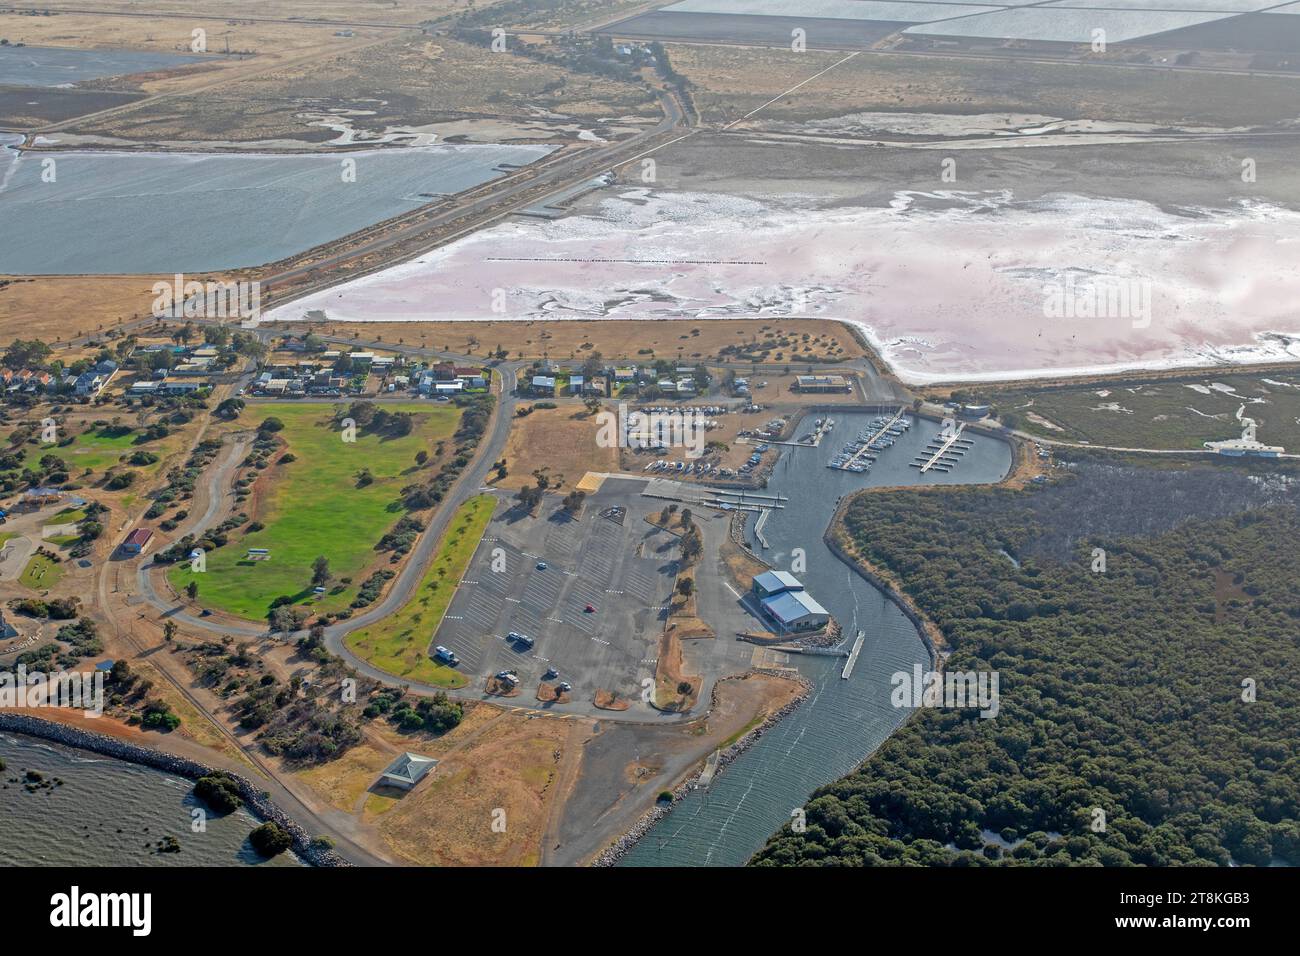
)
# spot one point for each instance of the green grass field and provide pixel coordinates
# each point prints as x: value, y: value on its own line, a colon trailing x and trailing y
x: 314, y: 507
x: 41, y: 573
x: 96, y: 450
x: 100, y: 450
x: 1169, y: 413
x: 399, y: 644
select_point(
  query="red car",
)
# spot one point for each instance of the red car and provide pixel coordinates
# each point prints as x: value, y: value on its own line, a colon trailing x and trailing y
x: 589, y: 609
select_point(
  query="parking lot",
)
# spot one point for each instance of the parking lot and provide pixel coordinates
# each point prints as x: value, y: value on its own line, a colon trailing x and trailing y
x: 608, y: 558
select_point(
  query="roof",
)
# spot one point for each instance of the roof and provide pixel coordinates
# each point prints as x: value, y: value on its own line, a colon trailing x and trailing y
x: 409, y: 768
x: 139, y: 536
x: 43, y: 492
x: 774, y: 581
x: 790, y: 606
x: 544, y: 381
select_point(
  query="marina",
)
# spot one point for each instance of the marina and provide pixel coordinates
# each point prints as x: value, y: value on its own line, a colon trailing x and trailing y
x: 945, y: 450
x: 881, y: 433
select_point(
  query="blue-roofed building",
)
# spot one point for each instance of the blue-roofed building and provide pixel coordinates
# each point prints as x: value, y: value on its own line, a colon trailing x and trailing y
x: 774, y: 582
x: 795, y: 611
x: 786, y: 604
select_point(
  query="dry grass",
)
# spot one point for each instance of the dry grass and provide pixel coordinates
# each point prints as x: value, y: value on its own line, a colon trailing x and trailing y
x: 553, y: 438
x: 57, y: 308
x: 448, y: 819
x: 689, y: 340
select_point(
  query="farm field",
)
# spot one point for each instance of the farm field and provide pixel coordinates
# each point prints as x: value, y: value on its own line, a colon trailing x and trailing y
x: 315, y: 506
x: 399, y: 644
x: 1167, y: 413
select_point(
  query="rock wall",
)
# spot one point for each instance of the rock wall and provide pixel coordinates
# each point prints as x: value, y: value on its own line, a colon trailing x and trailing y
x: 258, y: 802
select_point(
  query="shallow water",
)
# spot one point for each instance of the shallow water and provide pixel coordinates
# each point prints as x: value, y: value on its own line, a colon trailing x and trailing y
x: 109, y: 813
x: 126, y: 213
x: 57, y: 66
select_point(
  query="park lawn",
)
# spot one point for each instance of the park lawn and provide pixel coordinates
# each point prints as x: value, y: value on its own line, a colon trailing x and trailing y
x: 96, y: 449
x: 99, y: 450
x: 69, y: 516
x: 312, y: 507
x: 5, y: 536
x: 399, y: 644
x: 41, y: 573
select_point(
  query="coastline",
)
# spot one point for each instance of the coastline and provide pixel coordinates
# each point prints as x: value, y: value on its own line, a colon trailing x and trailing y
x: 647, y: 821
x: 260, y: 805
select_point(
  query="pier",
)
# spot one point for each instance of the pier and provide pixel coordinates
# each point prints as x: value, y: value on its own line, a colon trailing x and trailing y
x: 944, y: 451
x: 869, y: 445
x: 853, y: 655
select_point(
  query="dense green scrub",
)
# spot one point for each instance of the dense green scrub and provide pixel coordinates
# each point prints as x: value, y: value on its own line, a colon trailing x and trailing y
x: 1120, y: 690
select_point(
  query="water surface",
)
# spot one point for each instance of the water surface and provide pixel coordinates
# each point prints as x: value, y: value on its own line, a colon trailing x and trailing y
x: 59, y: 66
x: 108, y: 812
x: 128, y: 213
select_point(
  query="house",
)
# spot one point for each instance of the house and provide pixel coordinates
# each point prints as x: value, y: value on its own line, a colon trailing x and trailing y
x: 783, y: 600
x: 89, y: 384
x: 181, y: 388
x: 145, y: 387
x: 575, y: 384
x: 599, y: 385
x: 406, y: 771
x: 543, y: 384
x: 686, y: 386
x: 135, y: 541
x: 624, y: 374
x: 448, y: 388
x: 822, y: 383
x: 443, y: 371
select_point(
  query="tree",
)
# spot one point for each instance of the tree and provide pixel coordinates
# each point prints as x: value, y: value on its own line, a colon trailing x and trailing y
x: 685, y: 518
x: 686, y: 586
x: 270, y: 839
x: 320, y: 571
x: 270, y: 426
x: 169, y: 630
x: 573, y: 501
x: 421, y: 457
x: 192, y: 590
x: 230, y: 408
